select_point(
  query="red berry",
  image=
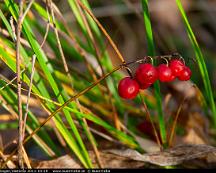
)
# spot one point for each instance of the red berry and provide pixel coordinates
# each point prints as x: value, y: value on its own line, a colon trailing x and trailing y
x: 176, y: 66
x: 185, y: 74
x: 128, y: 88
x: 146, y: 74
x: 164, y: 73
x: 172, y: 77
x: 145, y: 86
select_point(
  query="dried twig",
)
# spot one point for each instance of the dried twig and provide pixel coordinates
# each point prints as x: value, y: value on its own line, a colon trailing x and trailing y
x: 19, y: 82
x: 72, y: 40
x: 10, y: 82
x: 36, y: 137
x: 22, y: 41
x: 13, y: 28
x: 47, y: 27
x: 33, y: 65
x: 73, y: 99
x: 115, y: 114
x: 63, y: 106
x: 10, y: 164
x: 26, y: 11
x: 58, y: 40
x: 29, y: 94
x: 91, y: 138
x: 18, y: 62
x: 103, y: 30
x: 97, y: 53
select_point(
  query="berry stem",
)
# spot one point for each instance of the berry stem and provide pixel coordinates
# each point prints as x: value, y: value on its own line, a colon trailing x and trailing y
x: 129, y: 71
x: 167, y: 63
x: 144, y: 59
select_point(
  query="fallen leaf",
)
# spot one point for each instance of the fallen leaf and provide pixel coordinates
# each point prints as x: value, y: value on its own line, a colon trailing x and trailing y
x: 147, y: 145
x: 61, y: 162
x: 169, y: 157
x: 109, y: 160
x: 193, y: 138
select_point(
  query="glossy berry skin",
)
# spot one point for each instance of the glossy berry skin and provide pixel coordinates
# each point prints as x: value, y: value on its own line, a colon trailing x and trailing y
x: 176, y: 66
x: 164, y: 73
x: 128, y: 88
x: 146, y: 74
x: 144, y: 86
x: 172, y: 78
x: 185, y: 74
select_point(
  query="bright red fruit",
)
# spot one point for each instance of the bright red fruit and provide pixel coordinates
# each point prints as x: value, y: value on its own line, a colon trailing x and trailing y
x: 185, y: 74
x: 128, y: 88
x: 146, y: 74
x: 176, y: 66
x: 172, y: 77
x: 145, y: 86
x: 164, y: 73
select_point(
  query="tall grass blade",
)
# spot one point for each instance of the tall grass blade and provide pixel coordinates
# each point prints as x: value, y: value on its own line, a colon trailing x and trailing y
x: 78, y: 146
x: 151, y: 52
x: 200, y: 60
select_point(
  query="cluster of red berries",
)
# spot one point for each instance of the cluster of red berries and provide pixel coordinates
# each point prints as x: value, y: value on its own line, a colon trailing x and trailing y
x: 146, y: 74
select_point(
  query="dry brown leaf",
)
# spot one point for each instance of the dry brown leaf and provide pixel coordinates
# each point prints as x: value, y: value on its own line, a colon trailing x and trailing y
x: 147, y: 145
x: 197, y: 129
x: 193, y: 138
x: 129, y: 158
x: 169, y: 157
x: 109, y: 160
x: 61, y: 162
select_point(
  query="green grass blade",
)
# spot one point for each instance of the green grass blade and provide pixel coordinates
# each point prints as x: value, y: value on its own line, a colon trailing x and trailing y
x: 57, y: 88
x: 151, y: 52
x: 11, y: 99
x: 148, y: 27
x: 118, y: 134
x: 60, y: 94
x: 6, y: 24
x: 11, y: 64
x: 105, y: 59
x: 200, y: 61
